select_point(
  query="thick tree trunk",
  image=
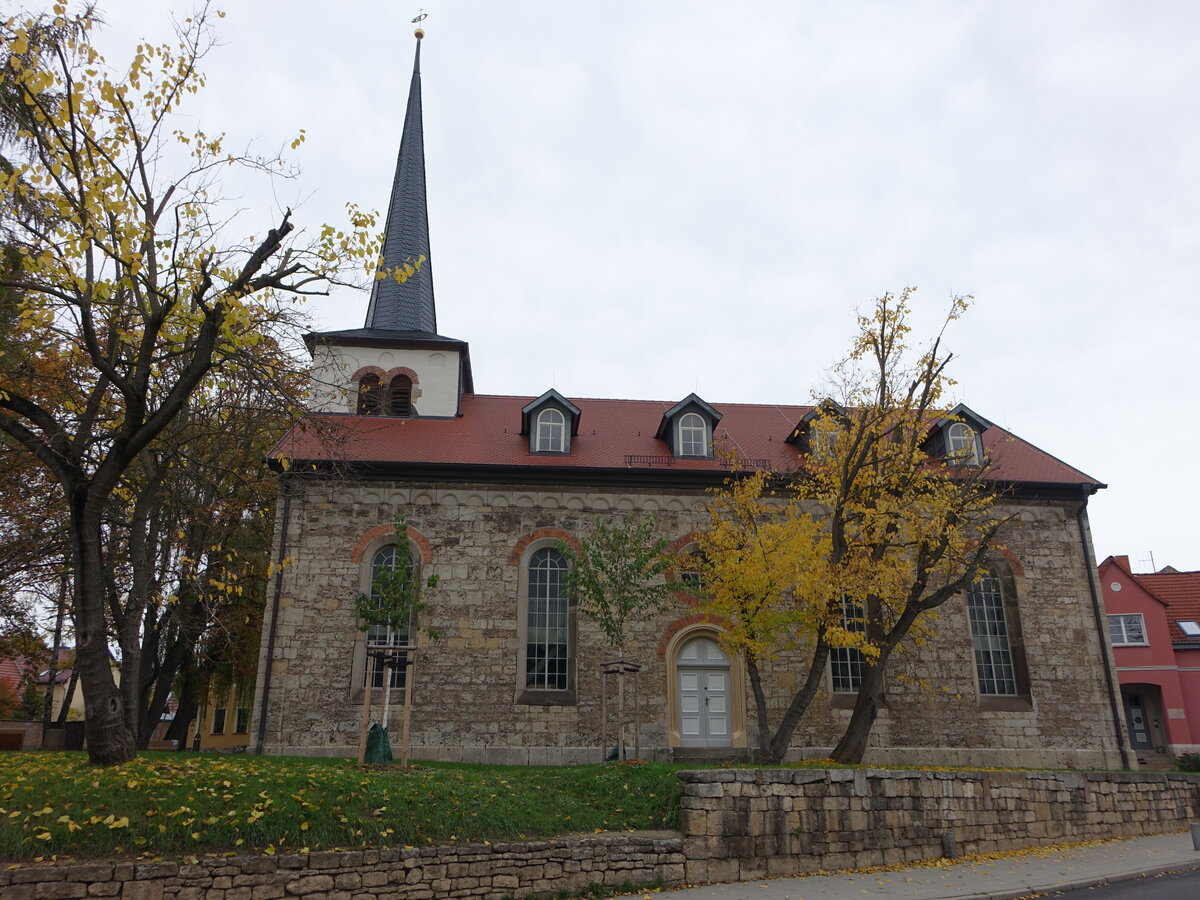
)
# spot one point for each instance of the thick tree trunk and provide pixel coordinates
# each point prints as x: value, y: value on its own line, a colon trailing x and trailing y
x: 853, y: 745
x: 799, y: 705
x: 760, y: 711
x: 69, y: 696
x: 109, y: 740
x: 178, y: 729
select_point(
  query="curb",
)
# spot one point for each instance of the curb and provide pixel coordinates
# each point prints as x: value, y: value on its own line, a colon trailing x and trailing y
x: 1035, y: 890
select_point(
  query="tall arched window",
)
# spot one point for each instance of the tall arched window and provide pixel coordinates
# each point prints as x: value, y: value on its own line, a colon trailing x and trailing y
x: 400, y: 396
x: 370, y: 395
x: 551, y: 431
x: 547, y: 623
x: 693, y: 435
x: 381, y: 637
x: 995, y: 636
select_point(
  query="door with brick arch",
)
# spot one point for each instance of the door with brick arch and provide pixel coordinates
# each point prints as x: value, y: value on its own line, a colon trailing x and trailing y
x: 703, y: 686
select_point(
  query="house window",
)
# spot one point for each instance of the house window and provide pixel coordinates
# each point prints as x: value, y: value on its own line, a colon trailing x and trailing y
x: 693, y: 435
x: 547, y: 624
x: 963, y: 448
x: 383, y: 637
x: 1127, y: 628
x: 551, y: 431
x: 241, y: 716
x: 994, y: 661
x: 370, y: 391
x: 400, y: 396
x: 218, y: 720
x: 1190, y: 627
x: 846, y: 663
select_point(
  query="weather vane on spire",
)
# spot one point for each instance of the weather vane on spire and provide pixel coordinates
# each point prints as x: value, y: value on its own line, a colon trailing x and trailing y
x: 417, y: 20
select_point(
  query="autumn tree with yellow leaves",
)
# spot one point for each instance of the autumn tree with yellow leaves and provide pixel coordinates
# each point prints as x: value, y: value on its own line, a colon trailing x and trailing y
x: 127, y: 294
x: 861, y: 545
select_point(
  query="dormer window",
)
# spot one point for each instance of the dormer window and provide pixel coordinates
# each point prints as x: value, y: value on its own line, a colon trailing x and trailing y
x: 957, y: 439
x: 693, y: 435
x: 962, y: 444
x: 370, y: 391
x: 400, y: 396
x: 550, y: 421
x: 688, y: 427
x: 551, y: 431
x: 816, y: 433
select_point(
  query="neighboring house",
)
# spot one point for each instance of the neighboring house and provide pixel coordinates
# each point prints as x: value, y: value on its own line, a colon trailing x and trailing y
x: 490, y: 484
x: 1154, y: 627
x: 223, y: 720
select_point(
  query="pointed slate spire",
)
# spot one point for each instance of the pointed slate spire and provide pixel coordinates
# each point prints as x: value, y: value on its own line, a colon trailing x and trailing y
x: 407, y: 306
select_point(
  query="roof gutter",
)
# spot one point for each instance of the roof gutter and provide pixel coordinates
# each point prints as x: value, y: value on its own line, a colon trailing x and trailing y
x: 1106, y: 656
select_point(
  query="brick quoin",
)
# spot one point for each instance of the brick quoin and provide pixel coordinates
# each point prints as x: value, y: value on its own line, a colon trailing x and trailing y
x: 686, y: 622
x: 514, y: 558
x: 379, y: 531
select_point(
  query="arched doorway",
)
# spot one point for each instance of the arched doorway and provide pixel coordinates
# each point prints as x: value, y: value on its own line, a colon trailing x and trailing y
x: 703, y: 685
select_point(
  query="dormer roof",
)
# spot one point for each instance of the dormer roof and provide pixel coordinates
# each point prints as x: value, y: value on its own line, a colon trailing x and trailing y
x: 963, y: 413
x: 553, y: 398
x: 826, y: 407
x: 690, y: 402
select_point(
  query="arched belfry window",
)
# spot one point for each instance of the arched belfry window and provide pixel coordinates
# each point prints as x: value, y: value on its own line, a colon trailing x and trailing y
x: 370, y: 399
x: 693, y: 435
x: 551, y: 431
x: 400, y: 396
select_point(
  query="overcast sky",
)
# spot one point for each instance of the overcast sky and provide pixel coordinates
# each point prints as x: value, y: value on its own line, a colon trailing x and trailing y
x: 645, y: 199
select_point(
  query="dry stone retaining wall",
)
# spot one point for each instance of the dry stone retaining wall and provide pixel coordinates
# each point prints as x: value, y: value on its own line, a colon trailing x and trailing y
x: 470, y: 870
x: 736, y: 825
x: 746, y: 824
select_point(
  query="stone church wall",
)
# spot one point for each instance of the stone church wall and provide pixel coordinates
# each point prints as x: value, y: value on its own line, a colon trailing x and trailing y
x: 466, y: 685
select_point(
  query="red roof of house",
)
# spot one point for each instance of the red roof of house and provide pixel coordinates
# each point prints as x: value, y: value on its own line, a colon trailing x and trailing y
x: 12, y: 673
x: 1181, y: 592
x: 612, y: 433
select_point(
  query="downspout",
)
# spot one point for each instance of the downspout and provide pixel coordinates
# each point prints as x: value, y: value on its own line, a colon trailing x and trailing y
x: 260, y: 740
x: 1090, y: 564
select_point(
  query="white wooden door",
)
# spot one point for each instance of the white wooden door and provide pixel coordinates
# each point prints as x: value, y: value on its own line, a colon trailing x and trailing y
x: 703, y: 695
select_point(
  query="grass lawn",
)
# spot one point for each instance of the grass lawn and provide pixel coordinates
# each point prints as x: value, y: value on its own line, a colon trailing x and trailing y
x: 180, y: 804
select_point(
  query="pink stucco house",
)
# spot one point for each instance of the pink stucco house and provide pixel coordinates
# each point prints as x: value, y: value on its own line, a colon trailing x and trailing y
x: 1154, y: 627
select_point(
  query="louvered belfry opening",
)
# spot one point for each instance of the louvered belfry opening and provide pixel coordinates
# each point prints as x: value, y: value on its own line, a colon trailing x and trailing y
x: 369, y: 390
x: 400, y: 396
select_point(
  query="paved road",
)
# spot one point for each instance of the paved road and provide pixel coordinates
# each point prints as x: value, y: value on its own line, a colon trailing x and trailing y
x: 997, y: 879
x: 1169, y: 886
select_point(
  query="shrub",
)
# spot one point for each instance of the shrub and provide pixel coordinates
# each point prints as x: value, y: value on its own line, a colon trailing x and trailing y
x: 1188, y: 762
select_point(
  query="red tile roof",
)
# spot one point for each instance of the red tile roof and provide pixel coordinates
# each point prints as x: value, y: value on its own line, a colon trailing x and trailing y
x: 487, y: 433
x: 1181, y: 592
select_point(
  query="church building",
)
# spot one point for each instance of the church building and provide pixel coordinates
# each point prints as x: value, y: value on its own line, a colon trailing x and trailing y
x: 1020, y: 674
